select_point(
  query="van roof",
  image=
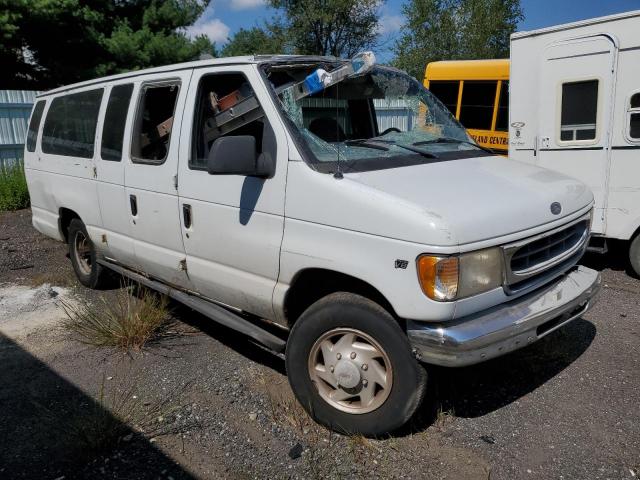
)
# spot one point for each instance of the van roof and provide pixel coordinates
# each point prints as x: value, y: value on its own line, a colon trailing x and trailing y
x: 243, y: 60
x: 580, y: 23
x: 492, y: 69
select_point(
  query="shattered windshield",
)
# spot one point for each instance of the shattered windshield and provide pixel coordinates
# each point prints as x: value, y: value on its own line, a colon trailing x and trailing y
x: 382, y: 117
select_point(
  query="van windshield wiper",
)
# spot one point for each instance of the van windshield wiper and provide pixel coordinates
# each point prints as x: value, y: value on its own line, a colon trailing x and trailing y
x: 451, y: 140
x: 367, y: 143
x: 424, y: 153
x: 376, y: 144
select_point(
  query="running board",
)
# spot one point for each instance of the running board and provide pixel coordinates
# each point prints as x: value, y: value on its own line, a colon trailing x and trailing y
x: 211, y: 310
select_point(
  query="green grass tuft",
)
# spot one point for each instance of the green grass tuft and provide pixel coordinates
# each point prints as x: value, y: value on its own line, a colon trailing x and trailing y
x: 14, y: 194
x: 122, y: 321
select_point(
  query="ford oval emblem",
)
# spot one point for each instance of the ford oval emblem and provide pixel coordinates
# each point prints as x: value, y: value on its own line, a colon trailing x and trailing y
x: 556, y: 208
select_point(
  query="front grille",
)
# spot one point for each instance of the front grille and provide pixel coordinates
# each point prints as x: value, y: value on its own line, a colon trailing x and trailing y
x: 539, y: 258
x: 546, y: 249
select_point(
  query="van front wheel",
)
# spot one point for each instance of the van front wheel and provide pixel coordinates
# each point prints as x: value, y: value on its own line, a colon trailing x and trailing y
x: 83, y: 256
x: 350, y: 365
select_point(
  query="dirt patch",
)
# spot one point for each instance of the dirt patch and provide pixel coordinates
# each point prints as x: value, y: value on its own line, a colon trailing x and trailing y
x: 24, y: 309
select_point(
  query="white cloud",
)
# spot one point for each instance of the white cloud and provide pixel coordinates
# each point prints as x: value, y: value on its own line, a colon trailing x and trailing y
x: 246, y: 4
x: 208, y: 25
x: 213, y: 28
x: 390, y: 24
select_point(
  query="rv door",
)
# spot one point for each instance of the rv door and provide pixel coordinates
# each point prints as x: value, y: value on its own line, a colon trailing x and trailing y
x: 577, y: 79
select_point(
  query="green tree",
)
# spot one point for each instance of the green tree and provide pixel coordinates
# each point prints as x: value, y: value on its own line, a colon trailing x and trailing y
x: 257, y: 40
x: 454, y: 30
x: 330, y: 27
x: 46, y: 43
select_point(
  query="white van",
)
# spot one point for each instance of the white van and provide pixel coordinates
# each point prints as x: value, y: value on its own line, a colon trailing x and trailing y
x: 575, y: 108
x: 335, y: 198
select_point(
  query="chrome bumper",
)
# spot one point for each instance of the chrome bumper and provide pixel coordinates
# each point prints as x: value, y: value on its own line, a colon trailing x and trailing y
x: 508, y: 326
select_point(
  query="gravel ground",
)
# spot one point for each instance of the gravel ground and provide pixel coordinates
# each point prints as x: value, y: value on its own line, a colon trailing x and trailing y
x: 207, y: 403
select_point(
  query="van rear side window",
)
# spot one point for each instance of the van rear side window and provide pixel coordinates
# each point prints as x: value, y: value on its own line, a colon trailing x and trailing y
x: 34, y: 125
x: 70, y: 126
x: 579, y: 111
x: 114, y: 122
x: 154, y: 122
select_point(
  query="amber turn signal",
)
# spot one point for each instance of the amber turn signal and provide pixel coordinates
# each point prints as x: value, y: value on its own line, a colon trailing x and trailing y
x: 438, y: 276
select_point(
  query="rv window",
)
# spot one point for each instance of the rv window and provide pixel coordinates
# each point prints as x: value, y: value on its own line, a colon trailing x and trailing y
x: 34, y: 125
x: 502, y: 119
x: 114, y: 121
x: 634, y: 126
x: 447, y: 93
x: 579, y: 111
x: 154, y: 122
x: 634, y: 116
x: 478, y: 98
x: 70, y: 126
x: 222, y: 97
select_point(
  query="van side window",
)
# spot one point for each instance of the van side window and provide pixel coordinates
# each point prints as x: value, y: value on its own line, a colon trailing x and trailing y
x: 579, y: 111
x: 70, y: 126
x: 634, y: 116
x: 476, y: 109
x: 154, y: 122
x: 502, y: 119
x: 221, y: 99
x: 115, y: 119
x: 34, y: 125
x: 447, y: 93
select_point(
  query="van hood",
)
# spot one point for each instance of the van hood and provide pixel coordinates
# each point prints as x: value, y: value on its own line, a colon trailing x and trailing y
x: 481, y: 198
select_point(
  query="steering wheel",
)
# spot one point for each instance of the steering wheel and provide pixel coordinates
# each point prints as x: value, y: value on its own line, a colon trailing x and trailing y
x: 389, y: 130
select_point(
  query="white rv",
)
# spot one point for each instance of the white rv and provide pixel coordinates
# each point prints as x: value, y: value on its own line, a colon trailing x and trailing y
x: 273, y: 190
x: 575, y: 108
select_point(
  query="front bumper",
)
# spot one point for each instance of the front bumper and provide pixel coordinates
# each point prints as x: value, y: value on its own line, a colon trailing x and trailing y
x: 506, y: 327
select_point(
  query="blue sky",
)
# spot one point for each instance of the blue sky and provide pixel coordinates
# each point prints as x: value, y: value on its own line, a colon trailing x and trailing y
x: 222, y: 18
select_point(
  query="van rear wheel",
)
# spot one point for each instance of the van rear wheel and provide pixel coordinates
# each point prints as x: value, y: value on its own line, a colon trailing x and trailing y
x: 350, y: 365
x: 83, y: 256
x: 634, y: 254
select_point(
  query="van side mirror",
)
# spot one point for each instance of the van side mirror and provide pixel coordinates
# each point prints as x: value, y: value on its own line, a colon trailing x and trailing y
x: 236, y: 155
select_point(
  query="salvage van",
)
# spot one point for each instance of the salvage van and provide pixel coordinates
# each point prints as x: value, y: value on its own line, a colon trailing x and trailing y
x: 476, y: 92
x: 575, y: 108
x: 264, y: 191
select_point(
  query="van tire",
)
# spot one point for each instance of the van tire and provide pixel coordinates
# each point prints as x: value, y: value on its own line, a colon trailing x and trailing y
x: 83, y: 256
x: 346, y: 312
x: 634, y: 254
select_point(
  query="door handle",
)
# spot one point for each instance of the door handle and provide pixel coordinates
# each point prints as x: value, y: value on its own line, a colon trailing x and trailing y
x: 186, y: 215
x: 133, y: 202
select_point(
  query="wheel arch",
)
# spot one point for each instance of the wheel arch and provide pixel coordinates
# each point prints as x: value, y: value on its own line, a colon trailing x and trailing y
x: 312, y: 284
x: 65, y: 215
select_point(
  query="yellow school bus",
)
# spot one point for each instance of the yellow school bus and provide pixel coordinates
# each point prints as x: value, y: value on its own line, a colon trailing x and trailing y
x: 477, y: 93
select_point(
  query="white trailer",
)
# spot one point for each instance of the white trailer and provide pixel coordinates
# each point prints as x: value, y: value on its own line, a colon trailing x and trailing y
x: 575, y: 108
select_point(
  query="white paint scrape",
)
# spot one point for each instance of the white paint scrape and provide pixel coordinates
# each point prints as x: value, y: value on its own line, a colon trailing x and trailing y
x: 24, y: 309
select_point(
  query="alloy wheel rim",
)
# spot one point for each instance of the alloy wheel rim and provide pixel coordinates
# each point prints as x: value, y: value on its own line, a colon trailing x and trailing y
x: 351, y: 371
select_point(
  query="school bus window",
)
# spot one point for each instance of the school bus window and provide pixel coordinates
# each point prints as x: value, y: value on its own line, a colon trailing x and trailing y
x: 446, y: 92
x: 502, y: 119
x: 478, y: 99
x: 579, y: 111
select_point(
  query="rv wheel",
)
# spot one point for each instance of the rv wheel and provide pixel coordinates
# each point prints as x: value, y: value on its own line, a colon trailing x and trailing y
x: 634, y: 254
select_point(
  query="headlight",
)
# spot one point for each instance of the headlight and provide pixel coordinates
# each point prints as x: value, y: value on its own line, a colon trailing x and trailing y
x: 455, y: 277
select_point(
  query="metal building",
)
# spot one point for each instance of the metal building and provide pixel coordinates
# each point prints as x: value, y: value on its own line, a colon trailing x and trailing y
x: 15, y: 108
